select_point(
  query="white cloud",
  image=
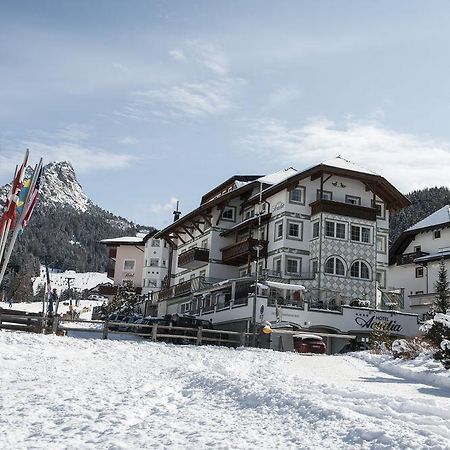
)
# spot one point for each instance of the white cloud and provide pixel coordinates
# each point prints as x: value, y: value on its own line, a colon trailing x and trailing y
x: 83, y: 159
x: 129, y: 140
x: 406, y: 160
x: 161, y: 208
x: 281, y: 96
x: 177, y: 54
x: 194, y: 100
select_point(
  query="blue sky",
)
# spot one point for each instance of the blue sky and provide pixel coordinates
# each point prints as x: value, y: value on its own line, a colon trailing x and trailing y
x: 153, y: 101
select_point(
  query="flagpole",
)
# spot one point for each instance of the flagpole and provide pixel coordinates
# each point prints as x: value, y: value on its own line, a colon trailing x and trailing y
x: 19, y: 221
x: 7, y: 224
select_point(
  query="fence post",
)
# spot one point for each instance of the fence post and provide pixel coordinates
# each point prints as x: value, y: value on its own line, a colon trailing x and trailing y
x: 55, y: 324
x: 242, y: 339
x: 155, y: 332
x: 105, y: 330
x: 199, y: 335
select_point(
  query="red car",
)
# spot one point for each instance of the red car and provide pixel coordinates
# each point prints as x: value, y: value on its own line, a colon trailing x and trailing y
x: 309, y: 343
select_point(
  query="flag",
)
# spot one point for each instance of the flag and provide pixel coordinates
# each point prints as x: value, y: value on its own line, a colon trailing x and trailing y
x: 23, y: 194
x: 13, y: 198
x: 32, y: 199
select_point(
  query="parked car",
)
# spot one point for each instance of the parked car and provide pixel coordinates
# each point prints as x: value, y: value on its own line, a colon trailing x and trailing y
x: 146, y: 321
x: 115, y: 317
x: 126, y: 321
x: 309, y: 343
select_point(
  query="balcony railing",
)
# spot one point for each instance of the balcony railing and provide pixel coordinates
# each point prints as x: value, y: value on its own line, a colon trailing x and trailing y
x: 242, y: 251
x: 185, y: 288
x: 194, y: 258
x: 408, y: 258
x: 343, y: 209
x: 274, y: 275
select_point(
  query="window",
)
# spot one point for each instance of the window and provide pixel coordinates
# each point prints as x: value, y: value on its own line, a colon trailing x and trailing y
x: 417, y: 249
x: 381, y: 211
x: 204, y: 243
x: 242, y: 273
x: 181, y: 280
x: 352, y: 200
x: 326, y: 195
x: 419, y: 272
x: 155, y: 243
x: 278, y: 230
x: 314, y: 266
x: 360, y: 234
x: 294, y: 230
x: 335, y: 229
x: 229, y: 213
x: 381, y: 244
x: 249, y: 213
x: 129, y: 264
x: 297, y: 195
x: 334, y: 266
x: 293, y: 265
x: 437, y: 234
x: 360, y: 269
x: 152, y: 283
x: 154, y: 262
x: 381, y: 279
x: 277, y: 265
x: 316, y: 229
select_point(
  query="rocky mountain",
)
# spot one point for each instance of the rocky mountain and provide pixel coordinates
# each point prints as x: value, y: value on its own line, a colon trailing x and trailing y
x: 64, y: 230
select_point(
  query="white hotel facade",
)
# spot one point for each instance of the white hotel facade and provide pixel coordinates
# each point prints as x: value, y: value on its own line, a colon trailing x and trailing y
x: 325, y: 228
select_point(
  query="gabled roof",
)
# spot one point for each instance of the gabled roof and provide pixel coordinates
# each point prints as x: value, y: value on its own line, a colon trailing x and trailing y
x: 235, y: 181
x: 437, y: 220
x: 393, y: 199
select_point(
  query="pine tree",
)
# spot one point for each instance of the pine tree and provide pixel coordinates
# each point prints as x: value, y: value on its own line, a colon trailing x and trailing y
x: 441, y: 303
x: 125, y: 299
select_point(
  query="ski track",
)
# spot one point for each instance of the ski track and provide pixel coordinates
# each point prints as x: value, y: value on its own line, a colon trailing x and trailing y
x: 67, y: 393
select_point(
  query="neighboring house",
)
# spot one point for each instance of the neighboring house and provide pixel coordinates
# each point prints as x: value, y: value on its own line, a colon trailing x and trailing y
x: 414, y: 260
x: 126, y: 255
x: 156, y: 263
x: 326, y: 228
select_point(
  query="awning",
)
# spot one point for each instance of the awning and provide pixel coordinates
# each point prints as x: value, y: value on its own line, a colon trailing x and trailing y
x: 287, y: 286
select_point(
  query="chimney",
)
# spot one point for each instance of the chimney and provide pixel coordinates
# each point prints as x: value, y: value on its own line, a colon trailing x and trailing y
x: 176, y: 213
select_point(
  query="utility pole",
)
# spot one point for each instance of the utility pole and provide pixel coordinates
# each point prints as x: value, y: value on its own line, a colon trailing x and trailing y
x: 69, y: 279
x: 258, y: 247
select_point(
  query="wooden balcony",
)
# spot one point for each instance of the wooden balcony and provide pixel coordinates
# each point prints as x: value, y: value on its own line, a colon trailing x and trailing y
x: 194, y: 258
x: 408, y: 258
x: 343, y: 209
x: 240, y: 252
x: 112, y: 253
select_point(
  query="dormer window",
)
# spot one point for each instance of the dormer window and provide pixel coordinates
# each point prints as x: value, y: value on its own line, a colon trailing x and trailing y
x: 297, y: 195
x: 437, y: 234
x: 229, y: 213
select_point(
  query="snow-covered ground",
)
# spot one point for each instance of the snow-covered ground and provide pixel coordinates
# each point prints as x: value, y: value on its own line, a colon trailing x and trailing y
x: 60, y: 392
x: 81, y: 280
x: 84, y: 307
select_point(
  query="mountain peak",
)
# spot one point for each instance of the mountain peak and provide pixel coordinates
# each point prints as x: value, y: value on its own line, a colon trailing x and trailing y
x: 60, y: 185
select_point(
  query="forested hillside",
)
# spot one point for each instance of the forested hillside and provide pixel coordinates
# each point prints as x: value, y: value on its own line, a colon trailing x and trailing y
x: 424, y: 202
x: 64, y: 230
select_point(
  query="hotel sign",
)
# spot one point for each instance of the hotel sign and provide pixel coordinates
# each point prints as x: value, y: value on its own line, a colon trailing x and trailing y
x: 379, y: 323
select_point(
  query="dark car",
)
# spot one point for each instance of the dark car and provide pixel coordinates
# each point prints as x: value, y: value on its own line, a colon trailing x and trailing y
x: 115, y: 317
x: 126, y: 321
x: 145, y: 325
x: 309, y: 343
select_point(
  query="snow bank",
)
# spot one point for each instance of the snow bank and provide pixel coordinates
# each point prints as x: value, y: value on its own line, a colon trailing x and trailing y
x: 60, y: 392
x: 423, y: 369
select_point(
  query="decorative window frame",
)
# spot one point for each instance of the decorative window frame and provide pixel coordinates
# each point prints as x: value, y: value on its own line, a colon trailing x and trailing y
x: 352, y: 197
x: 334, y: 236
x: 286, y: 264
x: 134, y: 265
x: 275, y: 236
x: 324, y: 192
x: 334, y: 274
x: 359, y: 271
x: 228, y: 208
x: 300, y: 229
x: 383, y: 238
x: 360, y: 241
x: 302, y: 189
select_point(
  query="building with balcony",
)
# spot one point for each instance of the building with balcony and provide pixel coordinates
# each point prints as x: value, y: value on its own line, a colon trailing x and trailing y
x: 326, y: 227
x: 126, y: 261
x: 414, y: 260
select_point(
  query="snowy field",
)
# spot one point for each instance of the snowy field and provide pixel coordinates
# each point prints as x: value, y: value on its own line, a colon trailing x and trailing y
x: 67, y: 393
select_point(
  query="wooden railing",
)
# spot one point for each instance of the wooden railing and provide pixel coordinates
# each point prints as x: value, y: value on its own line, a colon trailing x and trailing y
x: 193, y: 258
x: 238, y: 253
x: 408, y: 258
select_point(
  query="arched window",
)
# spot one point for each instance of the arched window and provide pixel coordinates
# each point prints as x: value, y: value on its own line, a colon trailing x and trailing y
x: 360, y: 269
x: 334, y: 266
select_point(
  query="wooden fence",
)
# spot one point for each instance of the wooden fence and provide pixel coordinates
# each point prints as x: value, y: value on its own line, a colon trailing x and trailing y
x: 155, y: 332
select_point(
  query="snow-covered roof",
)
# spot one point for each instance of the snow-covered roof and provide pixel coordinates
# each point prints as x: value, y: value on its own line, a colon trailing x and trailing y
x: 437, y: 218
x: 278, y: 177
x: 123, y: 240
x: 343, y: 163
